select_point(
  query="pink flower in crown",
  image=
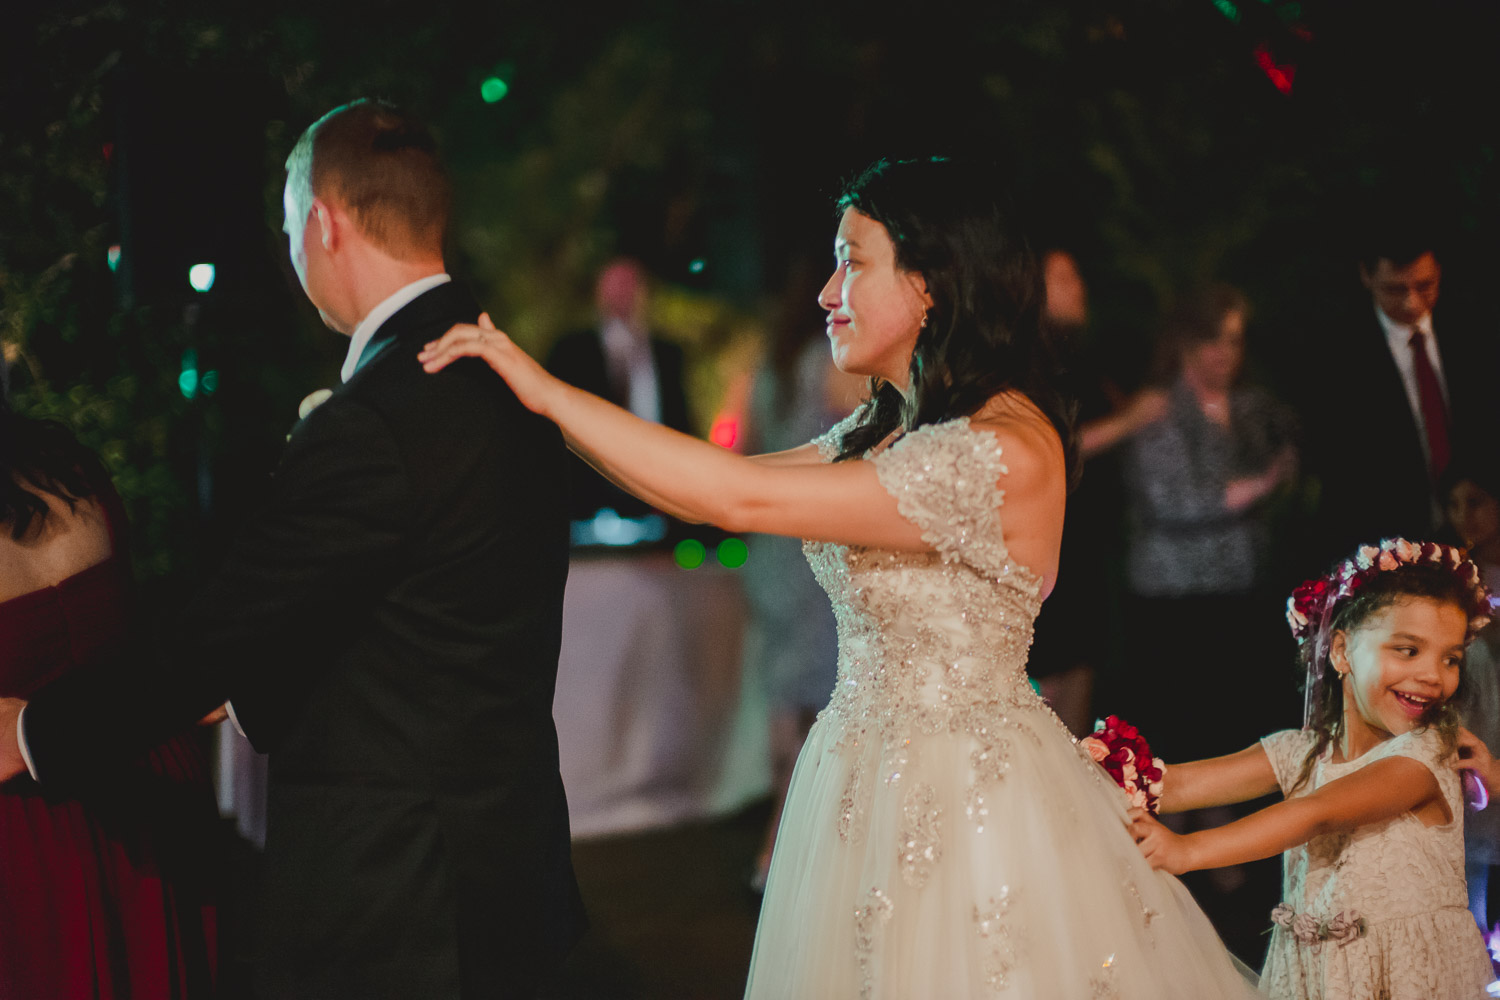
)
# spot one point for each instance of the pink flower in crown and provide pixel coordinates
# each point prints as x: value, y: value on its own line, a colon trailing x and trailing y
x: 1406, y: 551
x: 1366, y: 556
x: 1387, y: 561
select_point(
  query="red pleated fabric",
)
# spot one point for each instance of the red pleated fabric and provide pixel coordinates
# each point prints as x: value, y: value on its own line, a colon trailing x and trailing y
x: 110, y: 897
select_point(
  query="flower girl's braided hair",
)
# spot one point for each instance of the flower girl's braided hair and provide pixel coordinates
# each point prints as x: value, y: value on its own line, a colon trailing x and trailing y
x: 1375, y: 577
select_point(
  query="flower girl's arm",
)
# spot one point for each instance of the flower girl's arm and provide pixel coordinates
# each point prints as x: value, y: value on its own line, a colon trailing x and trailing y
x: 1218, y: 781
x: 1381, y: 791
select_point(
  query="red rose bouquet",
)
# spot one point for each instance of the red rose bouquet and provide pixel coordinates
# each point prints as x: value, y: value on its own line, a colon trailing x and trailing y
x: 1120, y: 749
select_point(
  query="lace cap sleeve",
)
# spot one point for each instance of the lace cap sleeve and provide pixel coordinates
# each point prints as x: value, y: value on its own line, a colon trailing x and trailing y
x: 1287, y: 750
x: 943, y: 478
x: 1425, y: 746
x: 830, y: 441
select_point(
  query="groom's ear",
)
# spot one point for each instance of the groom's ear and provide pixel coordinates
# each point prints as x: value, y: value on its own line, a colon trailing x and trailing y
x: 328, y: 222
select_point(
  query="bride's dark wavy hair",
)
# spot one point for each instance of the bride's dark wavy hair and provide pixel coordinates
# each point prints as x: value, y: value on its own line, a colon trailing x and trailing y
x: 984, y: 334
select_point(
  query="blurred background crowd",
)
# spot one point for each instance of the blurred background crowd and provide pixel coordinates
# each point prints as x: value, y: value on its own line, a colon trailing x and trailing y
x: 1268, y: 232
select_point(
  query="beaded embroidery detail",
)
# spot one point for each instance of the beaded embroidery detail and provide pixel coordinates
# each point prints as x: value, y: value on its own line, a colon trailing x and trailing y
x: 994, y: 929
x: 868, y: 920
x: 921, y: 844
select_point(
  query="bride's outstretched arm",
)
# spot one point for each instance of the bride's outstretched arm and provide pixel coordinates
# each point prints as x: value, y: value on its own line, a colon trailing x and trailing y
x: 782, y: 494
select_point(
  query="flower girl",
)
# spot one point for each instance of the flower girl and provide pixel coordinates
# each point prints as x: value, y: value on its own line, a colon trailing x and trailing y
x: 1374, y: 903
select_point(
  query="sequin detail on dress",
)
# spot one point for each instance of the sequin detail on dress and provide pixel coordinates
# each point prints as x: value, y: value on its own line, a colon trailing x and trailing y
x: 993, y: 926
x: 868, y: 920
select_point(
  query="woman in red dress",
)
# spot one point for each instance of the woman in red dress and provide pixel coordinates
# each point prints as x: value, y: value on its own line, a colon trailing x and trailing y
x: 111, y: 896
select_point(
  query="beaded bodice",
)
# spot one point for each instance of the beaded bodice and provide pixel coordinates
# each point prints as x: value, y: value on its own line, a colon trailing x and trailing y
x: 937, y: 641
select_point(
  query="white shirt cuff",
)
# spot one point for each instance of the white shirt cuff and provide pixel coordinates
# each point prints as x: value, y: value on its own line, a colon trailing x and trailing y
x: 234, y: 720
x: 21, y: 742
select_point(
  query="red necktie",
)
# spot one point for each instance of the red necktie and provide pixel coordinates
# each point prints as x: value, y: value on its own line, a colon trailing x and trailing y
x: 1434, y: 410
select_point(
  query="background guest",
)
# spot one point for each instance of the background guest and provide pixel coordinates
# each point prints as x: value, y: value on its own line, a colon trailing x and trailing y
x: 1471, y: 488
x: 1196, y: 483
x: 1393, y: 381
x: 112, y: 895
x: 1070, y: 647
x: 621, y: 361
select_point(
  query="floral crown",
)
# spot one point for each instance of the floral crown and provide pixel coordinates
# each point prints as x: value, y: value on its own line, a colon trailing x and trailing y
x: 1310, y: 608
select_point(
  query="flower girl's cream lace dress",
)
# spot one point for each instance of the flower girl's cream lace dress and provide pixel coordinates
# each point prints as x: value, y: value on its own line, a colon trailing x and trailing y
x: 1381, y: 912
x: 944, y: 837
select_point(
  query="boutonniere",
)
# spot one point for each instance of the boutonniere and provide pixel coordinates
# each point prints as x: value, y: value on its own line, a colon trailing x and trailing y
x: 310, y: 402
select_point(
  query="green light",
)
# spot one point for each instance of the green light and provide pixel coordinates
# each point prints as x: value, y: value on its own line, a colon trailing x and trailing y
x: 732, y: 553
x: 696, y: 267
x: 187, y: 380
x: 493, y: 90
x: 209, y: 382
x: 689, y: 553
x: 1228, y: 9
x: 113, y: 257
x: 201, y: 277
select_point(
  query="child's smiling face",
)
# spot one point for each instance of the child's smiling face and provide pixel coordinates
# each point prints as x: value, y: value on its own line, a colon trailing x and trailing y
x: 1401, y: 661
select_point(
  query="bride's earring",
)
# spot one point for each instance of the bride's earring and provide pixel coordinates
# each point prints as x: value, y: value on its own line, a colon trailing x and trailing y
x: 924, y: 318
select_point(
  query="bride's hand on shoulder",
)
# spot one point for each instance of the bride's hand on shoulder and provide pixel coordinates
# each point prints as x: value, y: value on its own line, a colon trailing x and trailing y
x: 531, y: 383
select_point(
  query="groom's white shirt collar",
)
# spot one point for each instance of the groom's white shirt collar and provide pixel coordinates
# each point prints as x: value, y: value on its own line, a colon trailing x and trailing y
x: 376, y: 318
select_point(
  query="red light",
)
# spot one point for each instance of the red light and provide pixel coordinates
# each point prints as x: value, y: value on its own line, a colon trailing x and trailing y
x: 725, y: 431
x: 1279, y: 75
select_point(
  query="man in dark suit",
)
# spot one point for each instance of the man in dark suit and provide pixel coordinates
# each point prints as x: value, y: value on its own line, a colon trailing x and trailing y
x: 387, y: 628
x: 1392, y: 388
x: 621, y: 361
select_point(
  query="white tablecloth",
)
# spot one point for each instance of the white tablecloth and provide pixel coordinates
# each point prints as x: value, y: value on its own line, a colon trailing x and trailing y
x: 654, y: 722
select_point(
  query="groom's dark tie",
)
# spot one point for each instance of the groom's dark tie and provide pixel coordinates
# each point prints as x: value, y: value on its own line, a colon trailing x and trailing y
x: 1434, y: 410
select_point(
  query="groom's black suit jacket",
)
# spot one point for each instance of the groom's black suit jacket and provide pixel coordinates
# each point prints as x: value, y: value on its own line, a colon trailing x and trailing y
x: 388, y: 629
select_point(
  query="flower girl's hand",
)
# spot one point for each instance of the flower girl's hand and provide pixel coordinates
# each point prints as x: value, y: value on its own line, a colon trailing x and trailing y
x: 1475, y: 758
x: 1165, y: 850
x: 528, y: 380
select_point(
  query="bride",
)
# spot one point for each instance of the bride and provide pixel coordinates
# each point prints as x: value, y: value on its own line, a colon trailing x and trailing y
x: 944, y: 837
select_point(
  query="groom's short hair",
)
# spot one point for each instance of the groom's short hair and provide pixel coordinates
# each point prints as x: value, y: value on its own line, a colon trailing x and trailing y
x: 382, y: 167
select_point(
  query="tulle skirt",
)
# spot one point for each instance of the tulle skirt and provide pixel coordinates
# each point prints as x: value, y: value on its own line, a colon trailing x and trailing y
x: 928, y: 868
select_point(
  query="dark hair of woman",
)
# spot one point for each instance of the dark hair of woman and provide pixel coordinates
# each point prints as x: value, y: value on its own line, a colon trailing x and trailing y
x: 37, y: 457
x: 1196, y: 319
x: 1382, y: 590
x: 984, y: 335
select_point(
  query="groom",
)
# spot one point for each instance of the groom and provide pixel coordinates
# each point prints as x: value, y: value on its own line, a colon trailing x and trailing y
x: 387, y: 628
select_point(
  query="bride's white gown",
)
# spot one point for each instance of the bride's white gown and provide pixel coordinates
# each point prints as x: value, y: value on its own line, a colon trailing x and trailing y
x: 944, y: 837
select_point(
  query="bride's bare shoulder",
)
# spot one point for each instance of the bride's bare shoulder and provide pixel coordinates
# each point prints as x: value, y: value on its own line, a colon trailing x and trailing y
x: 1028, y: 441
